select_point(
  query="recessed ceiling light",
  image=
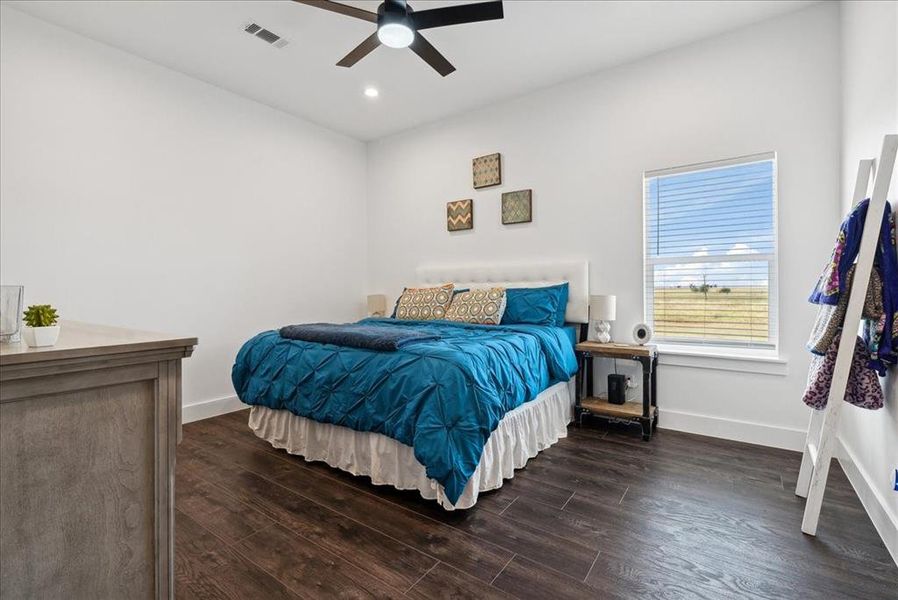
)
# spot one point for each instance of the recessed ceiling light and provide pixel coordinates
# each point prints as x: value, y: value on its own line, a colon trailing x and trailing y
x: 371, y: 92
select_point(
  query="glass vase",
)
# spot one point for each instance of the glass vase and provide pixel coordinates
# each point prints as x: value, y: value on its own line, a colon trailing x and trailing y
x: 12, y: 299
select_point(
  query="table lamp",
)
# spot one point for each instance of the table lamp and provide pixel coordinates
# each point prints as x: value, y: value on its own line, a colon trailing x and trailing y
x: 377, y: 305
x: 601, y: 312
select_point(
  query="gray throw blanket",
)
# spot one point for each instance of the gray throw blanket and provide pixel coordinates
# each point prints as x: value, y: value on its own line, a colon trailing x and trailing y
x: 355, y: 335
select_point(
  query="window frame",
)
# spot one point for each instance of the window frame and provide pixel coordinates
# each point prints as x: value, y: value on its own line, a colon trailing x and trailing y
x: 708, y: 346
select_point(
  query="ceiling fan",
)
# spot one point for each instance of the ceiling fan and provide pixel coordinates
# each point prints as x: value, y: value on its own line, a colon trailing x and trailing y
x: 398, y: 26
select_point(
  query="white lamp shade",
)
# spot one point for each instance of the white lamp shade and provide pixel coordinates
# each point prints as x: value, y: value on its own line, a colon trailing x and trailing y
x: 602, y: 308
x: 377, y: 305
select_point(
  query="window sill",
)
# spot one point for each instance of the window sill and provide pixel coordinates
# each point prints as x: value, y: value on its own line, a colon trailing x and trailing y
x: 766, y: 363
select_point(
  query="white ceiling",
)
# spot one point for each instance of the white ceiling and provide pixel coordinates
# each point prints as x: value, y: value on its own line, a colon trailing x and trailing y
x: 539, y: 43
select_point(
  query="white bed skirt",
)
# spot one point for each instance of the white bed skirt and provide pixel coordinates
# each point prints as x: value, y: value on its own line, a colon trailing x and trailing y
x: 521, y: 435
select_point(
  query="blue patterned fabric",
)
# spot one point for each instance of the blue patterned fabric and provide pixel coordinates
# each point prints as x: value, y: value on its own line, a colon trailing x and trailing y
x: 536, y: 306
x: 442, y: 397
x: 881, y: 337
x: 355, y: 335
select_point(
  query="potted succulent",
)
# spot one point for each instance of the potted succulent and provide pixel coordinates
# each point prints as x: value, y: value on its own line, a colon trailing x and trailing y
x: 41, y: 328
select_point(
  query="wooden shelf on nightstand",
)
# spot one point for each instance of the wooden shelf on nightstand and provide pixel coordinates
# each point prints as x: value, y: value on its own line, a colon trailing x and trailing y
x: 599, y: 405
x: 615, y: 350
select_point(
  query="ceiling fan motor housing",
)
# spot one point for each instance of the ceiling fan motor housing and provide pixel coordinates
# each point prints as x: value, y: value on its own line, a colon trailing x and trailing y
x: 392, y: 11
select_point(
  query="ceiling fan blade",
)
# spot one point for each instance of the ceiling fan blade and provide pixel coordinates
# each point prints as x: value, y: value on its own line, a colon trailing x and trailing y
x: 343, y: 9
x: 431, y: 55
x: 456, y: 15
x: 360, y: 51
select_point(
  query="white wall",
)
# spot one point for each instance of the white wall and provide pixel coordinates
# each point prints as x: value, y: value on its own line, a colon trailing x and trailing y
x: 582, y: 148
x: 870, y: 110
x: 133, y: 195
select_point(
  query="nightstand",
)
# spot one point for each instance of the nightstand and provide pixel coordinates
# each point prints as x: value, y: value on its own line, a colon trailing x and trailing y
x: 588, y: 403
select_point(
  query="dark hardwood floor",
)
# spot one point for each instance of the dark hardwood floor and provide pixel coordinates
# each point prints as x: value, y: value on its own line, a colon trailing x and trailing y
x: 599, y: 515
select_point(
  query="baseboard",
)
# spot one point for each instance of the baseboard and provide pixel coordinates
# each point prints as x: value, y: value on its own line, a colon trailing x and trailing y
x: 730, y: 429
x: 211, y: 408
x: 885, y: 522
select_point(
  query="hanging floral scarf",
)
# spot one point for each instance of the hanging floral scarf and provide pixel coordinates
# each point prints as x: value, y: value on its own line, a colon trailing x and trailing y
x: 862, y: 389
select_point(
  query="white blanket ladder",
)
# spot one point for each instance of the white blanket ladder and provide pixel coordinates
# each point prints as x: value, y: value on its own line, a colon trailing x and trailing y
x: 824, y: 427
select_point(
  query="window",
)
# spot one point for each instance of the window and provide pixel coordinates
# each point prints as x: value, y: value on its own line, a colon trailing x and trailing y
x: 710, y: 253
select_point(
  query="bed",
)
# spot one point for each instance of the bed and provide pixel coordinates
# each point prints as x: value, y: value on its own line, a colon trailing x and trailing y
x: 450, y: 417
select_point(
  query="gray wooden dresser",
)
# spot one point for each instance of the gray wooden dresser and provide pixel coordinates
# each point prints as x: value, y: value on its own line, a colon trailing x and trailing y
x: 88, y: 433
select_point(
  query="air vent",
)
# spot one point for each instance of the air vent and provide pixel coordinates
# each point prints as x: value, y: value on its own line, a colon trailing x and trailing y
x: 266, y: 35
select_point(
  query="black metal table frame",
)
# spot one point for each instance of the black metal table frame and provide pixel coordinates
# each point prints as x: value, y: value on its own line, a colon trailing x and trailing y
x: 585, y: 379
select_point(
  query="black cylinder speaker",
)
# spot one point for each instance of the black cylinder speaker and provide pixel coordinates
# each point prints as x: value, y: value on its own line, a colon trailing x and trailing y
x: 617, y: 388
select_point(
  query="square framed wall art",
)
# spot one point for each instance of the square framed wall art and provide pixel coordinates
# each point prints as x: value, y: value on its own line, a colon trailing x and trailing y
x: 487, y: 170
x: 460, y: 215
x: 517, y: 207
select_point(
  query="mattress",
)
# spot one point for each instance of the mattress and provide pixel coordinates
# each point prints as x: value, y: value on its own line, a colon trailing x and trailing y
x: 521, y: 434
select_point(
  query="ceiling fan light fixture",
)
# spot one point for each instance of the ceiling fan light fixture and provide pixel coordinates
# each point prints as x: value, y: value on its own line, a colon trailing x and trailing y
x: 395, y: 35
x: 399, y: 26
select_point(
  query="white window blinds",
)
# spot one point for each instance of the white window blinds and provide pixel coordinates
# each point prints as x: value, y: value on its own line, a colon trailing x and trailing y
x: 710, y: 253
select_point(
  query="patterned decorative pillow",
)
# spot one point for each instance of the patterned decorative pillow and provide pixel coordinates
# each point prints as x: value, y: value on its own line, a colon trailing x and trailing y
x: 424, y: 304
x: 481, y: 306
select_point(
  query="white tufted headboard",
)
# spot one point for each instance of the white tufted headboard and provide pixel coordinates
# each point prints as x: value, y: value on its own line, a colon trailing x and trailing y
x: 575, y: 272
